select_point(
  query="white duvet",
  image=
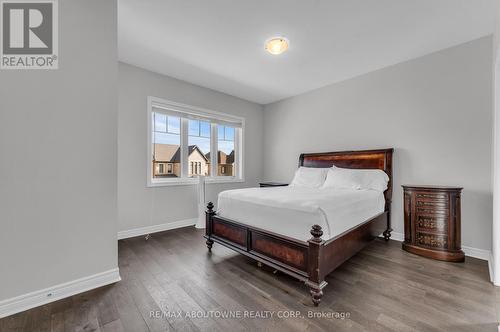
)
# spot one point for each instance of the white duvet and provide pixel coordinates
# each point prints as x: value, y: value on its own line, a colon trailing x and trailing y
x: 291, y: 211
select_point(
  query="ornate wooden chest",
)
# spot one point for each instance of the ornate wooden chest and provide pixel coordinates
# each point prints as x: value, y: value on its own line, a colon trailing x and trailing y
x: 432, y: 222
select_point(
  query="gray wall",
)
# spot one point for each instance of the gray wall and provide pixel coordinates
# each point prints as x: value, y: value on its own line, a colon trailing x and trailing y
x: 436, y: 111
x: 139, y: 206
x: 58, y: 156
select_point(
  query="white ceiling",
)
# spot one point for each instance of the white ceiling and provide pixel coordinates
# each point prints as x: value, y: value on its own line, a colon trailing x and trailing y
x: 219, y: 44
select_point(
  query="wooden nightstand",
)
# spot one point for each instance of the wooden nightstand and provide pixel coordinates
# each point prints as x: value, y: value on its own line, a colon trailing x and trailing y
x: 273, y: 184
x: 432, y: 222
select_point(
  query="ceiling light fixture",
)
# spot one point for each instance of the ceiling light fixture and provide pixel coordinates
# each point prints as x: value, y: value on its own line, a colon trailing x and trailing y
x: 277, y: 45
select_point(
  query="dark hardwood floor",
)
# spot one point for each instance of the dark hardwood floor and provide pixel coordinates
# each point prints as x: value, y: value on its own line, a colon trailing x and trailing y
x: 382, y: 288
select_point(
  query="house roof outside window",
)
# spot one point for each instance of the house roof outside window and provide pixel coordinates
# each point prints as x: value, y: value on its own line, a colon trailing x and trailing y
x: 171, y: 153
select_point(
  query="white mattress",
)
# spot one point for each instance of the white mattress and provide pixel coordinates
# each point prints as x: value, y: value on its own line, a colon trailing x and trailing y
x: 291, y: 211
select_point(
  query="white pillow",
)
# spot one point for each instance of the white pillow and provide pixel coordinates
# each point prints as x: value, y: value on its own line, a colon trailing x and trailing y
x: 309, y: 177
x: 358, y: 179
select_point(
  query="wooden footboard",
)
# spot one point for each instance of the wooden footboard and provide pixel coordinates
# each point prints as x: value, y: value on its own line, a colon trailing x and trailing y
x: 309, y: 261
x: 283, y: 253
x: 313, y: 260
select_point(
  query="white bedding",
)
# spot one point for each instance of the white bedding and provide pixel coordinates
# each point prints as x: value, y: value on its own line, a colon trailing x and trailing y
x: 291, y: 211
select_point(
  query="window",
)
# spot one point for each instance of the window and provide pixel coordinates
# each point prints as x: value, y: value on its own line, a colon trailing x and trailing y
x: 225, y: 153
x: 186, y: 142
x: 166, y: 141
x: 199, y: 146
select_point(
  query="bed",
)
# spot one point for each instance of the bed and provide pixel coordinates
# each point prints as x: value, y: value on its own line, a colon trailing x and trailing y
x: 302, y: 232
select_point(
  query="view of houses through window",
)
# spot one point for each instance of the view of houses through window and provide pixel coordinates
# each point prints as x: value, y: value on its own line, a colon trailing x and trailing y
x: 199, y: 148
x: 225, y: 153
x: 166, y: 147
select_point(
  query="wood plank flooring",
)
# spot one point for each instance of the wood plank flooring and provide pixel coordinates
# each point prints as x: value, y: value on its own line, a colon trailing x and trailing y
x: 380, y: 289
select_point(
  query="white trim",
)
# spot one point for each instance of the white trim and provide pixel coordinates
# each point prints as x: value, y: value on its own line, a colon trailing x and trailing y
x: 184, y: 150
x: 40, y: 297
x: 238, y: 150
x: 224, y: 179
x: 469, y: 251
x: 194, y: 110
x: 397, y: 236
x: 194, y: 181
x: 214, y: 142
x: 491, y: 268
x: 149, y: 139
x: 156, y: 228
x: 477, y: 253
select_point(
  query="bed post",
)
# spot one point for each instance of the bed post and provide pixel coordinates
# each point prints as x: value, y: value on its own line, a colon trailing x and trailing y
x: 388, y: 192
x: 208, y: 223
x: 316, y: 281
x: 387, y: 232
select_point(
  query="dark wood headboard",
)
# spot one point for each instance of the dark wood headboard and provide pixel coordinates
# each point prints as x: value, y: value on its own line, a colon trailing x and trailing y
x: 368, y: 159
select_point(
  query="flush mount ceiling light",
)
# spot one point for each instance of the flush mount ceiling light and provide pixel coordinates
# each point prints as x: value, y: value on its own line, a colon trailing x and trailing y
x: 277, y: 45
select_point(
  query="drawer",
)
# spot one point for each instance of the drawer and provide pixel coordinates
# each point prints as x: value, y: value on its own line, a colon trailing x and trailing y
x: 432, y: 210
x: 436, y: 241
x: 435, y: 203
x: 432, y: 223
x: 440, y: 207
x: 431, y: 196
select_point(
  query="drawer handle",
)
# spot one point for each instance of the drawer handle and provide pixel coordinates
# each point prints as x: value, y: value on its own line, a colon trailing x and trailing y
x: 424, y: 203
x: 431, y: 211
x: 431, y: 196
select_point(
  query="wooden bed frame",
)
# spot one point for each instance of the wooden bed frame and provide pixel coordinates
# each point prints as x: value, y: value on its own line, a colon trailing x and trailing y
x: 313, y: 260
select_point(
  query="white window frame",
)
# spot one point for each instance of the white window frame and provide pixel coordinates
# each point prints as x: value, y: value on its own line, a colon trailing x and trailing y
x: 193, y: 111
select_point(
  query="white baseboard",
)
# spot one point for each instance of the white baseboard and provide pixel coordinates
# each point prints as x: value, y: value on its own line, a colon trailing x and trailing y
x: 491, y: 267
x: 156, y: 228
x: 477, y: 253
x: 469, y: 251
x: 37, y: 298
x: 397, y: 236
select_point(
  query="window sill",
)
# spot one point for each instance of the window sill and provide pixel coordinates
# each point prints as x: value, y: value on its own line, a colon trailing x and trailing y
x: 187, y: 182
